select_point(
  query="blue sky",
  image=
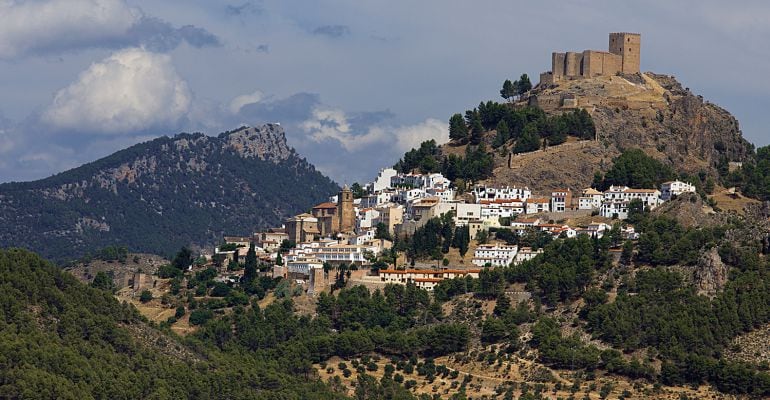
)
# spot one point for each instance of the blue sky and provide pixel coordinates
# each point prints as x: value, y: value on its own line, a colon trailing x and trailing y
x: 355, y: 83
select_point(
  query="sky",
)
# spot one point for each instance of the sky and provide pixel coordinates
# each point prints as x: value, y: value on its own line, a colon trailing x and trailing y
x: 354, y: 83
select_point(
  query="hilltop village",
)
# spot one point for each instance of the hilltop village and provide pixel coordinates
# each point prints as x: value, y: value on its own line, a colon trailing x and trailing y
x: 361, y: 235
x: 613, y: 256
x: 358, y: 228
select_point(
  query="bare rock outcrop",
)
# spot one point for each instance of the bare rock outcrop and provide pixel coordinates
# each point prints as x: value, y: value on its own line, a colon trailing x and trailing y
x: 710, y: 275
x: 648, y: 111
x: 267, y: 142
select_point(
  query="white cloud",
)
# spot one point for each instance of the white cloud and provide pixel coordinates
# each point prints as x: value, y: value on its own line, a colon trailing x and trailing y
x: 55, y: 26
x: 238, y: 102
x: 328, y: 123
x: 31, y: 26
x: 131, y: 90
x: 332, y: 124
x: 410, y: 136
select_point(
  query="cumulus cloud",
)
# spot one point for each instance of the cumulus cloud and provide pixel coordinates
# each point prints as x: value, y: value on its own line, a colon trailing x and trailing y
x: 55, y: 26
x: 334, y: 124
x: 131, y: 90
x: 410, y: 136
x: 238, y: 102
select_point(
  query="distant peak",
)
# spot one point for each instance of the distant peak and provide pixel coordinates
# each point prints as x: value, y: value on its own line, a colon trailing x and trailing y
x: 267, y: 141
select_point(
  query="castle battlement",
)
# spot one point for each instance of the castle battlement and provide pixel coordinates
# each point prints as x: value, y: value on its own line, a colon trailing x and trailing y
x: 622, y: 56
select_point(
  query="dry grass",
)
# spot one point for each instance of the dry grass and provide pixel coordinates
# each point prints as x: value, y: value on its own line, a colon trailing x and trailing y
x: 732, y: 202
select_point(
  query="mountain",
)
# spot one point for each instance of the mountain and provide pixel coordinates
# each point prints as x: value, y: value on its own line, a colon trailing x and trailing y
x: 163, y: 194
x: 649, y: 111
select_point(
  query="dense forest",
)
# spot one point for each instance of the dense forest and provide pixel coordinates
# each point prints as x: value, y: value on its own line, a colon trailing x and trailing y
x: 753, y: 178
x: 62, y: 339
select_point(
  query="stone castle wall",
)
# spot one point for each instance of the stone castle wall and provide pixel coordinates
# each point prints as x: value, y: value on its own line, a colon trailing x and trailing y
x: 623, y: 57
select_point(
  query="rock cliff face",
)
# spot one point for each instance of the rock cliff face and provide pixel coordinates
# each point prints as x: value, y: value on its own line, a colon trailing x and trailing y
x: 157, y: 196
x: 648, y: 111
x: 267, y: 142
x: 674, y: 125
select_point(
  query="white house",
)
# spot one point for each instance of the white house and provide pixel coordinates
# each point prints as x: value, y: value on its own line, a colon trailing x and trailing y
x: 378, y: 198
x: 614, y: 209
x: 464, y: 213
x: 382, y: 181
x: 303, y: 265
x: 526, y: 254
x: 366, y: 218
x: 427, y: 181
x: 501, y: 208
x: 675, y: 188
x: 538, y: 205
x: 443, y: 194
x: 590, y: 199
x: 497, y: 255
x: 500, y: 193
x: 649, y: 197
x: 561, y: 200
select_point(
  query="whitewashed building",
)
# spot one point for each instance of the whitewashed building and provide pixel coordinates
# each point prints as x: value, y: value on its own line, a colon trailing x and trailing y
x: 526, y: 254
x: 614, y: 209
x: 501, y: 208
x: 303, y: 265
x: 675, y: 188
x: 382, y: 181
x: 590, y: 199
x: 561, y: 200
x: 496, y: 255
x: 481, y: 193
x: 649, y: 197
x: 537, y: 205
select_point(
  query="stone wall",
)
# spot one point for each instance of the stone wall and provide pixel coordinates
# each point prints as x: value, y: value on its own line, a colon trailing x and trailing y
x: 557, y: 65
x: 573, y: 64
x: 623, y: 56
x: 597, y: 63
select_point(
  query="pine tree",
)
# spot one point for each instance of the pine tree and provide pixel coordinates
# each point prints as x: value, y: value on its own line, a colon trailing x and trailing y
x: 250, y: 269
x: 458, y: 130
x: 508, y: 91
x: 523, y: 85
x: 503, y: 134
x: 477, y: 130
x: 529, y: 141
x: 503, y: 304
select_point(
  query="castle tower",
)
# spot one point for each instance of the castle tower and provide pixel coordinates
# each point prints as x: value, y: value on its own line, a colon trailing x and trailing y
x: 627, y: 45
x: 345, y: 212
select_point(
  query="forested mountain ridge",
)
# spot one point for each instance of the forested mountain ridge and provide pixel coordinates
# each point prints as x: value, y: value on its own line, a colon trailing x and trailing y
x: 160, y: 195
x: 60, y: 339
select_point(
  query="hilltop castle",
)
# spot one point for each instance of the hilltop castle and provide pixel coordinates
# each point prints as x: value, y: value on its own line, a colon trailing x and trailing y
x: 622, y: 57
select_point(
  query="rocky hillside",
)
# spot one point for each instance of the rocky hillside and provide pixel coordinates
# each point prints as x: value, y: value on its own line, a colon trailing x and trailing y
x: 649, y: 111
x: 160, y: 195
